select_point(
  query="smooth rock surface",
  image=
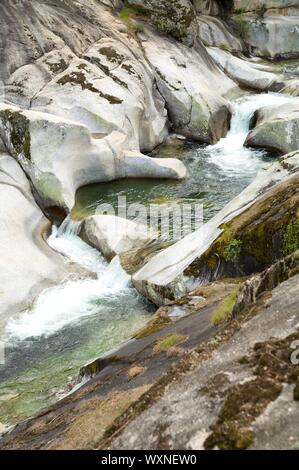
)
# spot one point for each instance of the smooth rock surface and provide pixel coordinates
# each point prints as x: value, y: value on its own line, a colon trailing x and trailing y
x: 245, y: 73
x: 277, y: 128
x: 161, y: 279
x: 27, y: 264
x: 113, y: 236
x: 183, y: 78
x: 169, y: 422
x: 59, y: 155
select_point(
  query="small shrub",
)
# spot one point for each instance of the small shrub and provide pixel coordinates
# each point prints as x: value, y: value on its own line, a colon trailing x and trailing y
x: 243, y: 25
x: 260, y: 11
x: 232, y: 250
x: 291, y: 238
x: 126, y: 13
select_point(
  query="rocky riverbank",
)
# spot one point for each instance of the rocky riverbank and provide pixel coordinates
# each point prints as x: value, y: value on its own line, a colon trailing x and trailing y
x: 92, y: 91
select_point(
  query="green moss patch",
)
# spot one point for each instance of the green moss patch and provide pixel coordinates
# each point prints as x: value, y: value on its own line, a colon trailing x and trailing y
x: 18, y: 125
x: 225, y: 308
x: 168, y: 342
x: 78, y: 78
x: 244, y: 402
x: 291, y: 238
x: 256, y: 238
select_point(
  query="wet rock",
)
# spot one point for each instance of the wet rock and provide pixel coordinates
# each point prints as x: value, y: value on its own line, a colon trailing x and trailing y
x: 245, y: 73
x: 114, y: 236
x: 213, y: 251
x: 72, y: 156
x: 277, y: 128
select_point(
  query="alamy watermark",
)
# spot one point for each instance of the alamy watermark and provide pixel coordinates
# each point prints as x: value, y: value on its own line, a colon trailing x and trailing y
x: 169, y: 220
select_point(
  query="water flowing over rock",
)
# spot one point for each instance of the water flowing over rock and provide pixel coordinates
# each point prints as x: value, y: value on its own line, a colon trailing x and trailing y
x: 108, y: 90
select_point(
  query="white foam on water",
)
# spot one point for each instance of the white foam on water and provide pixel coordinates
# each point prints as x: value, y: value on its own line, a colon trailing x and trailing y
x: 73, y: 300
x: 229, y: 153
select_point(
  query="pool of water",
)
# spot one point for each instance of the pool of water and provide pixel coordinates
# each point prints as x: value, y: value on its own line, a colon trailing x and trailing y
x: 83, y: 318
x: 217, y: 173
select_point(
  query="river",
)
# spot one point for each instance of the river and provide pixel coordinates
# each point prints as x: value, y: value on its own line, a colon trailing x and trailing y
x: 87, y: 316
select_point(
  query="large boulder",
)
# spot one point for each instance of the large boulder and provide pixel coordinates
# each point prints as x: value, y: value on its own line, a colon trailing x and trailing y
x: 27, y: 264
x: 114, y: 236
x: 270, y: 28
x: 110, y: 88
x: 254, y: 5
x: 277, y: 128
x: 212, y: 251
x: 245, y: 73
x: 172, y: 18
x: 59, y: 156
x: 184, y: 80
x: 43, y: 27
x: 214, y: 32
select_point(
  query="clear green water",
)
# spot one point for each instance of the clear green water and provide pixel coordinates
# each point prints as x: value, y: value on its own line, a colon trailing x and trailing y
x: 38, y: 368
x: 209, y: 183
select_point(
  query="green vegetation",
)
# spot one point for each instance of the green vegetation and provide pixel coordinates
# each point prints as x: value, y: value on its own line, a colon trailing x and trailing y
x: 291, y: 238
x: 232, y: 250
x: 224, y: 47
x: 225, y: 308
x: 19, y: 127
x: 261, y: 10
x: 168, y: 342
x: 79, y: 78
x: 128, y: 15
x: 242, y: 23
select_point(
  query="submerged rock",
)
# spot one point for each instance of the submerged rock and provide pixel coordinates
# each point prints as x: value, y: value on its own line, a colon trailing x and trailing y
x: 277, y: 128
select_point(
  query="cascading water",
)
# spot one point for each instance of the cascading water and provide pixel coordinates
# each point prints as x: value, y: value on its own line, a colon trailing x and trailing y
x: 229, y: 153
x: 88, y: 315
x: 67, y: 326
x: 74, y: 299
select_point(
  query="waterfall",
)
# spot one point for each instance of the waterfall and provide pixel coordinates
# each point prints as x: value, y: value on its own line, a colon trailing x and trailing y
x: 73, y: 300
x: 229, y: 153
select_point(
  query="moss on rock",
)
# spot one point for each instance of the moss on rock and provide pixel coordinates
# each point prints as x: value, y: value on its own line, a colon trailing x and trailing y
x: 18, y: 126
x: 256, y: 238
